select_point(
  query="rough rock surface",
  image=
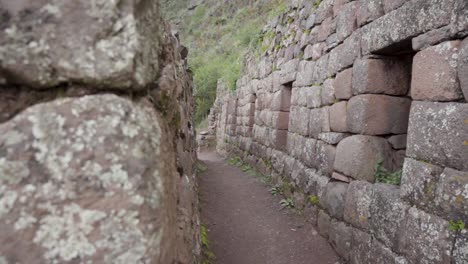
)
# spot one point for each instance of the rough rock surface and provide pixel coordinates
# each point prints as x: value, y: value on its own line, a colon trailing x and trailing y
x: 69, y: 205
x: 109, y: 44
x: 357, y: 155
x: 376, y: 82
x: 89, y: 174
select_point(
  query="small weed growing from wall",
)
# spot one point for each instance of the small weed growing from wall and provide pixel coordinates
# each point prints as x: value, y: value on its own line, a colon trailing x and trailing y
x: 312, y: 199
x: 287, y: 203
x: 456, y: 225
x: 382, y: 175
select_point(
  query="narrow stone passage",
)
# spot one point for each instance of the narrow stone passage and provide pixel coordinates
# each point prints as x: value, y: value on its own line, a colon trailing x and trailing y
x: 246, y: 224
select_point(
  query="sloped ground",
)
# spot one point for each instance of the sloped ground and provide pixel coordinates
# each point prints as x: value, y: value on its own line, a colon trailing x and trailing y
x: 246, y: 224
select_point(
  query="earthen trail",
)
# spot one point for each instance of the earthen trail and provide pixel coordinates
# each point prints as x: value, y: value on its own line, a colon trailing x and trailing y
x: 246, y: 225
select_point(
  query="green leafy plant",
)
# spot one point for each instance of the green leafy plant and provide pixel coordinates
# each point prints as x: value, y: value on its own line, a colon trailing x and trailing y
x: 235, y: 161
x: 287, y: 203
x: 382, y: 175
x: 313, y: 199
x: 246, y: 168
x: 207, y: 255
x: 200, y: 167
x: 276, y: 190
x: 456, y: 225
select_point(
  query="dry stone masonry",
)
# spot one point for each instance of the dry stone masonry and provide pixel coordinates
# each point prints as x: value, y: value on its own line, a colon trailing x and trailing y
x: 343, y: 87
x: 96, y: 138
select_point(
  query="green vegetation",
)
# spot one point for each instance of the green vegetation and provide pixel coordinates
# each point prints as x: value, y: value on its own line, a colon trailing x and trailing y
x: 200, y: 167
x: 218, y: 35
x: 207, y: 255
x: 456, y: 225
x: 382, y: 175
x: 276, y: 190
x: 313, y: 199
x: 287, y: 203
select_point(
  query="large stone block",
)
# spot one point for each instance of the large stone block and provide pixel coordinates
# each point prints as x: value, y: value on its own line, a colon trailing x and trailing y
x: 343, y: 84
x: 334, y: 199
x: 315, y: 51
x: 340, y: 238
x: 425, y: 238
x: 463, y: 68
x: 390, y: 5
x: 327, y: 28
x: 305, y: 76
x: 378, y: 114
x: 83, y: 179
x: 452, y: 195
x: 328, y: 92
x: 369, y: 10
x: 343, y: 56
x: 357, y: 155
x: 281, y: 100
x: 338, y: 113
x: 346, y: 21
x: 361, y: 244
x: 460, y: 251
x: 299, y: 120
x: 332, y: 138
x: 434, y: 75
x: 419, y: 183
x: 398, y: 141
x: 388, y: 213
x: 386, y: 75
x: 319, y: 121
x: 325, y: 157
x: 459, y: 25
x: 323, y: 223
x: 357, y: 205
x: 101, y: 43
x: 437, y: 134
x: 280, y: 120
x: 307, y: 97
x: 393, y: 32
x: 381, y: 254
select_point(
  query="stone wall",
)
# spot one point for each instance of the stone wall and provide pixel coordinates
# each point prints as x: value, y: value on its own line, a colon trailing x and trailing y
x: 342, y: 86
x: 97, y: 146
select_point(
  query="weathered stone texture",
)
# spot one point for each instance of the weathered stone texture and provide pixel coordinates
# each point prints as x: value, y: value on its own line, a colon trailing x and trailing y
x: 419, y: 183
x: 340, y: 238
x: 452, y: 195
x: 463, y: 68
x: 334, y: 200
x: 343, y: 84
x: 338, y: 113
x: 101, y: 43
x: 425, y: 238
x: 389, y: 33
x: 54, y: 188
x: 390, y: 76
x: 460, y: 251
x: 357, y: 155
x: 369, y: 10
x: 357, y: 205
x: 378, y: 114
x: 437, y: 134
x: 434, y: 75
x: 388, y: 213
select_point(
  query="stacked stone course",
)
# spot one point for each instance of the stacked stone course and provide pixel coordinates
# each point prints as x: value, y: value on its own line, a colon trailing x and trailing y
x: 97, y: 149
x: 361, y: 82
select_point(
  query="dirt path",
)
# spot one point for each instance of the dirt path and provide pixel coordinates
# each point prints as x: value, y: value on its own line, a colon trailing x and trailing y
x: 246, y: 225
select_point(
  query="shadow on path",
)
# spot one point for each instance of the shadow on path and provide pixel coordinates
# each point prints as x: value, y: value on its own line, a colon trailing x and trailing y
x: 246, y: 225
